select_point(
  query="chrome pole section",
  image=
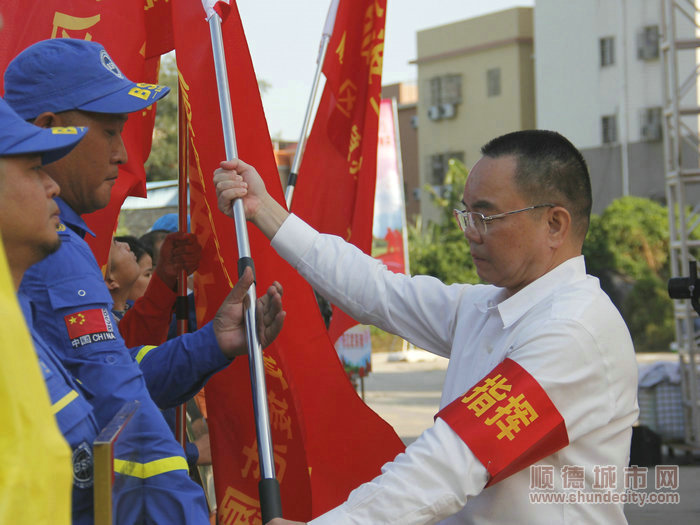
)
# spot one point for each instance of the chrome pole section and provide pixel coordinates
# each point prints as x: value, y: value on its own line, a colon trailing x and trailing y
x: 270, y: 502
x: 299, y: 153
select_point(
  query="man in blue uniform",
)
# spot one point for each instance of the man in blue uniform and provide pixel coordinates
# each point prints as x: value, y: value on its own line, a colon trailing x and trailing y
x: 28, y: 220
x: 67, y: 82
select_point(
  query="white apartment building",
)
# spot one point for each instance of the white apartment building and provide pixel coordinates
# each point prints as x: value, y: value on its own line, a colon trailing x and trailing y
x: 599, y: 81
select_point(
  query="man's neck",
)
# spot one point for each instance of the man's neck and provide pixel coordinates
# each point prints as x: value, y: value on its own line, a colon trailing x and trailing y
x: 119, y: 297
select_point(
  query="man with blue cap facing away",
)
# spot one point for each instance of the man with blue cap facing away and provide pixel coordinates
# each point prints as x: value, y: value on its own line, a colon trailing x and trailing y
x: 28, y: 220
x: 66, y: 82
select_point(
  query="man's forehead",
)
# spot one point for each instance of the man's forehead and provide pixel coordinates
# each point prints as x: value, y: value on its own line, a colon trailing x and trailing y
x: 489, y: 182
x: 22, y: 158
x: 119, y: 118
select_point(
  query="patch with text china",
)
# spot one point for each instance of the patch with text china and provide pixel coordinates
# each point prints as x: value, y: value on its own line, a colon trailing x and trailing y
x: 89, y: 326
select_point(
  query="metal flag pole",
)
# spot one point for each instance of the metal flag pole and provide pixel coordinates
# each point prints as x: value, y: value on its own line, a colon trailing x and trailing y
x: 181, y: 313
x: 268, y: 488
x: 299, y: 153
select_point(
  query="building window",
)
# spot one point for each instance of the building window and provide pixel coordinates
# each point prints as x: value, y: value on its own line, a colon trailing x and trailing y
x: 493, y: 82
x: 446, y: 89
x: 648, y: 43
x: 650, y: 124
x: 609, y: 129
x: 439, y: 164
x: 607, y: 51
x: 435, y: 91
x: 451, y: 89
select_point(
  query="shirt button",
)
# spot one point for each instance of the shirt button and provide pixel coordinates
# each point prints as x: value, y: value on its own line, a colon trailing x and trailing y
x: 81, y: 293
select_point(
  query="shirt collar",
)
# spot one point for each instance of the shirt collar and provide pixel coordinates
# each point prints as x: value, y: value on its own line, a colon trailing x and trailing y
x: 514, y: 307
x: 72, y: 219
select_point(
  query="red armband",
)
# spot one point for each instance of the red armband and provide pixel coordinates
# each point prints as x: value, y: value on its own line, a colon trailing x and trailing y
x: 507, y: 420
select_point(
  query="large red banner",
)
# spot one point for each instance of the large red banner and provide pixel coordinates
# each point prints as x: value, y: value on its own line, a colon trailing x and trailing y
x: 335, y: 189
x: 326, y: 440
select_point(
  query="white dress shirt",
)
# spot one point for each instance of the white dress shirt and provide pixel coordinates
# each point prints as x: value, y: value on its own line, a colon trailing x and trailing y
x: 562, y: 328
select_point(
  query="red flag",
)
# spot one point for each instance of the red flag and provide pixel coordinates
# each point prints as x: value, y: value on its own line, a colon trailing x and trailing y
x: 335, y: 190
x: 119, y: 25
x: 325, y: 440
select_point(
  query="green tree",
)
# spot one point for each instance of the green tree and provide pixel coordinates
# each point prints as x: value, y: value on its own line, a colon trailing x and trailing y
x: 162, y: 164
x: 439, y: 248
x: 627, y: 248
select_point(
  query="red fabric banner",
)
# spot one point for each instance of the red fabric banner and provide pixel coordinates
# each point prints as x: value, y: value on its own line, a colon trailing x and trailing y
x: 335, y: 189
x: 507, y: 420
x: 119, y: 25
x: 389, y: 222
x: 326, y: 440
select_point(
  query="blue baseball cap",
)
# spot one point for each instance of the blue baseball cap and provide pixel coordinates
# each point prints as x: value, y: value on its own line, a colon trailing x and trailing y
x: 64, y: 74
x: 170, y: 222
x: 18, y: 137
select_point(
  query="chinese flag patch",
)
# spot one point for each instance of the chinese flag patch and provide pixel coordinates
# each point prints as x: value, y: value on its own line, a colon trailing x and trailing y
x: 87, y: 322
x: 507, y: 420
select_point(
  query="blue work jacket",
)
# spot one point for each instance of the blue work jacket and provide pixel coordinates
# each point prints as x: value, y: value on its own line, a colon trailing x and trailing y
x: 73, y: 313
x: 74, y: 417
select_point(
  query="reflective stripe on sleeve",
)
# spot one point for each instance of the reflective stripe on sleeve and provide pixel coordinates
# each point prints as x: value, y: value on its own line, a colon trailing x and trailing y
x: 150, y: 469
x: 63, y: 402
x: 142, y: 353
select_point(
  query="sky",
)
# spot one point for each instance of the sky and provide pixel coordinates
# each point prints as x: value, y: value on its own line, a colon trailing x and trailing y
x: 284, y: 37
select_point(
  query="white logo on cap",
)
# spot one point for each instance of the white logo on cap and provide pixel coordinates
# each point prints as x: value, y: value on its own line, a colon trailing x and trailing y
x: 109, y: 64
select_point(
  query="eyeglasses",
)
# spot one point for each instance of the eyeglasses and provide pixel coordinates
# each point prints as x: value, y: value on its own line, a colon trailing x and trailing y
x: 476, y: 222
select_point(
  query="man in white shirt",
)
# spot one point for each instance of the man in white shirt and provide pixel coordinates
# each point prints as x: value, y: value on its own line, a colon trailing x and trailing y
x: 540, y: 392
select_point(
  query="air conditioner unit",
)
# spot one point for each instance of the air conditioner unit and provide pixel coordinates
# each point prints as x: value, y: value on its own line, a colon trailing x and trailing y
x: 434, y: 113
x: 447, y: 110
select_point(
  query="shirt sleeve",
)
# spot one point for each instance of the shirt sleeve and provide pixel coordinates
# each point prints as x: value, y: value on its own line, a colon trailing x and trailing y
x: 147, y: 322
x: 176, y: 370
x: 589, y: 387
x: 365, y: 289
x: 432, y: 480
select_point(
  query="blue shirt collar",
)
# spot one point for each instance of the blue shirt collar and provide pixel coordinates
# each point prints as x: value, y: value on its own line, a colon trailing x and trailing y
x: 72, y: 219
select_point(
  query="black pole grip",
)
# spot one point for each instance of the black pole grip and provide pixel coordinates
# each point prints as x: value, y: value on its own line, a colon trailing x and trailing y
x: 245, y: 262
x: 292, y: 179
x: 181, y: 308
x: 270, y: 501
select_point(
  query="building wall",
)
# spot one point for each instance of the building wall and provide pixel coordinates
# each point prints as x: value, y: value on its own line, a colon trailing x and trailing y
x: 470, y: 48
x: 574, y: 91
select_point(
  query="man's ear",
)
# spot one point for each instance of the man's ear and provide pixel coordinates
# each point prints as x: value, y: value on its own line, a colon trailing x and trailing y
x: 111, y: 283
x: 48, y: 120
x: 559, y: 223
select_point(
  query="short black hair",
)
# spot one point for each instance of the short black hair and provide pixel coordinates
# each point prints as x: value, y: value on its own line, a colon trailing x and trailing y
x: 150, y: 239
x: 138, y: 248
x: 549, y: 169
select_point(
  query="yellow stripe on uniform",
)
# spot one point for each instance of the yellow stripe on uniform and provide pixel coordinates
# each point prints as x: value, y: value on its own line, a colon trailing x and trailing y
x: 63, y: 402
x: 142, y: 353
x: 150, y: 469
